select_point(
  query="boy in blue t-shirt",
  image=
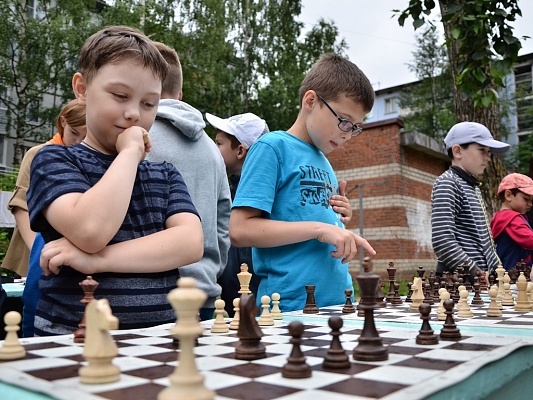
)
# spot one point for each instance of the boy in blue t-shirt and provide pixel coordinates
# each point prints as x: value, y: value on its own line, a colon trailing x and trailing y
x: 283, y: 206
x: 101, y: 209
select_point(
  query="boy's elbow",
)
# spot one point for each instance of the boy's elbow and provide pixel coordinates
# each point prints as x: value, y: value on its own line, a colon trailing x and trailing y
x: 196, y: 246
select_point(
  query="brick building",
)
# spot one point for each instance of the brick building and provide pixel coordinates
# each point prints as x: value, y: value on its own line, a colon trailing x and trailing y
x: 394, y: 172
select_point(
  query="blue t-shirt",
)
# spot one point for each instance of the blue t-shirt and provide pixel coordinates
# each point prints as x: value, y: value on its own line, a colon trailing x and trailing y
x: 137, y: 300
x: 291, y: 180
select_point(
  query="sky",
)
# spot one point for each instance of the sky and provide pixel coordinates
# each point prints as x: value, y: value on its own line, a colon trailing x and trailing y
x: 378, y: 44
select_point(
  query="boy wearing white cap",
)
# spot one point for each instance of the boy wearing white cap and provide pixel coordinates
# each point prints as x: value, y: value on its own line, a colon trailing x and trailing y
x: 510, y: 227
x: 459, y: 224
x: 234, y: 136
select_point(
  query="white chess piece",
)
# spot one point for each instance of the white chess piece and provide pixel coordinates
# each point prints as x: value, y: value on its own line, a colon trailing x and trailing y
x: 444, y: 295
x: 464, y: 310
x: 265, y: 319
x: 12, y: 349
x: 507, y: 297
x: 244, y: 278
x: 494, y: 309
x: 276, y: 312
x: 219, y: 326
x: 234, y: 324
x: 100, y: 348
x: 186, y: 382
x: 522, y: 300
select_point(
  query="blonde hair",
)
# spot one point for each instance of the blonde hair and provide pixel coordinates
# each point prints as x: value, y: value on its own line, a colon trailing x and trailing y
x: 74, y: 114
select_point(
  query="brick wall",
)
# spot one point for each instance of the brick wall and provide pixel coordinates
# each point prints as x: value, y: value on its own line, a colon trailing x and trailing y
x: 396, y: 187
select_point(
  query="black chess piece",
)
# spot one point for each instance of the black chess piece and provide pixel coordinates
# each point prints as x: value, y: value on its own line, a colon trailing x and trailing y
x: 370, y: 347
x: 421, y: 272
x: 296, y: 367
x: 409, y: 292
x: 336, y: 357
x: 348, y: 306
x: 88, y: 286
x: 249, y: 333
x: 380, y: 296
x: 426, y: 336
x: 449, y: 330
x: 310, y: 304
x: 396, y: 299
x: 391, y: 270
x: 428, y: 299
x: 477, y: 300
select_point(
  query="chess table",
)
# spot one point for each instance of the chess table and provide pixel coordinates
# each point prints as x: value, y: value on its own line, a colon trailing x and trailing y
x: 492, y: 360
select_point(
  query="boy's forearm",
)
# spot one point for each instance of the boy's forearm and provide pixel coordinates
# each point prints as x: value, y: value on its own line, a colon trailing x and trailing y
x: 161, y: 251
x: 261, y: 232
x: 94, y: 217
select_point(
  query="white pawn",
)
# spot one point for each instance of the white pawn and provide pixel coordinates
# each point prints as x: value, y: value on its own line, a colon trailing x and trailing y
x: 460, y: 304
x: 494, y: 309
x: 265, y: 319
x: 234, y: 324
x: 464, y: 310
x: 12, y: 349
x: 440, y: 307
x: 507, y: 298
x: 219, y: 326
x: 444, y: 295
x: 276, y: 312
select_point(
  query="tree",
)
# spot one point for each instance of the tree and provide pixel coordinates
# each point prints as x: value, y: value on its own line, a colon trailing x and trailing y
x: 37, y: 61
x: 481, y: 50
x: 429, y: 103
x: 237, y: 55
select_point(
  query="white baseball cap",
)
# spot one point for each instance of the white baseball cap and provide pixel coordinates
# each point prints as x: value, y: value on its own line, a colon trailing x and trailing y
x: 247, y: 128
x: 472, y: 132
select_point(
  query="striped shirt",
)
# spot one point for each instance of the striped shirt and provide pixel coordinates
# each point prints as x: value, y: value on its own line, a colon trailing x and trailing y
x: 460, y: 230
x: 137, y: 300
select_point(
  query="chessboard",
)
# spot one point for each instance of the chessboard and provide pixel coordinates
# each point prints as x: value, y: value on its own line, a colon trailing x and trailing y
x: 148, y: 356
x: 511, y: 321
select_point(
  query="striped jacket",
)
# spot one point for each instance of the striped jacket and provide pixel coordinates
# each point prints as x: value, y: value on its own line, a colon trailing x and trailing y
x: 460, y: 229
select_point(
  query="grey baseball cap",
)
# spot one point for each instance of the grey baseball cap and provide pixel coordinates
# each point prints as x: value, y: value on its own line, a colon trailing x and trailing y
x: 473, y: 132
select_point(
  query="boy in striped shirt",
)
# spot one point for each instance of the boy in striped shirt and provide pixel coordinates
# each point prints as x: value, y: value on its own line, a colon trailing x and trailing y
x: 460, y: 230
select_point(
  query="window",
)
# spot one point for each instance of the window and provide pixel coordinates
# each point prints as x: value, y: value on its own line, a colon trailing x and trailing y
x: 32, y: 9
x: 524, y: 98
x: 391, y: 105
x: 32, y: 114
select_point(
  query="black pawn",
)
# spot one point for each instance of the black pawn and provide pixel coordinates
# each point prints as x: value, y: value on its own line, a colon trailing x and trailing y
x: 477, y: 293
x: 409, y: 292
x: 296, y: 367
x: 449, y: 331
x: 426, y: 335
x: 348, y: 306
x: 310, y: 304
x: 336, y: 357
x: 428, y: 299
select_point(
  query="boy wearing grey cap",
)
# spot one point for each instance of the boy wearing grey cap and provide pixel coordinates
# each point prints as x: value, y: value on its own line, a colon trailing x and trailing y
x: 459, y: 224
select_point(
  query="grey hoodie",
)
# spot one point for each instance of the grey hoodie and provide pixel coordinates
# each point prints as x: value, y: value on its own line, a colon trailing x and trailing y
x: 178, y: 137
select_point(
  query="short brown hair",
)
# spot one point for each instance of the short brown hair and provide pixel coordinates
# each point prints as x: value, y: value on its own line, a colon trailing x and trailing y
x: 74, y: 114
x: 173, y: 83
x: 332, y: 76
x: 118, y: 43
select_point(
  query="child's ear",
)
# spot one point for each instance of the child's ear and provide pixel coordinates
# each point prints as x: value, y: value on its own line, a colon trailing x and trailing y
x: 241, y: 152
x: 508, y: 195
x: 310, y: 99
x: 79, y: 86
x: 456, y: 151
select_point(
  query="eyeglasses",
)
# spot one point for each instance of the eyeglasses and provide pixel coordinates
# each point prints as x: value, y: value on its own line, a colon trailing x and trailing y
x: 344, y: 124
